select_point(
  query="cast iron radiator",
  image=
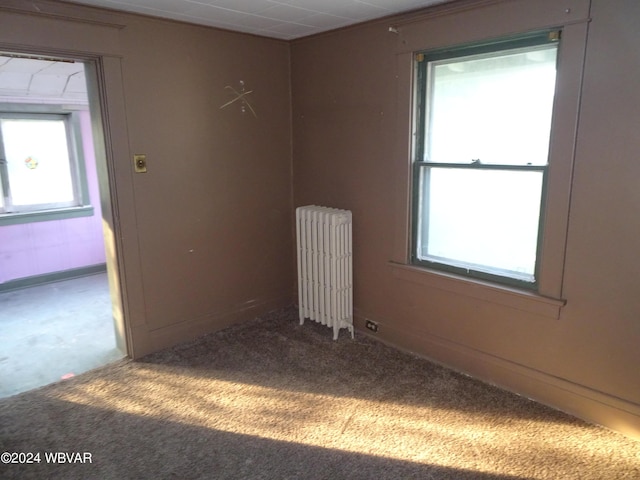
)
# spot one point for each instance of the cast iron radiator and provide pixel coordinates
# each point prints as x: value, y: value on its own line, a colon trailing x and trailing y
x: 325, y: 277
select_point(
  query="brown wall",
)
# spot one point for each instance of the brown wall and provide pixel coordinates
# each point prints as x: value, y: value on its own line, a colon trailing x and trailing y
x: 204, y: 237
x: 350, y: 132
x: 214, y: 211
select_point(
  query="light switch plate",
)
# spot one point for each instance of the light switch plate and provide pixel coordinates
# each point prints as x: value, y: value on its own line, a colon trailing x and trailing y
x: 140, y: 163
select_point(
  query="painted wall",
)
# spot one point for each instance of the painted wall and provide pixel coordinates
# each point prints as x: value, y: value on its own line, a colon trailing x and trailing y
x: 32, y: 249
x: 213, y: 213
x: 348, y: 124
x: 204, y: 238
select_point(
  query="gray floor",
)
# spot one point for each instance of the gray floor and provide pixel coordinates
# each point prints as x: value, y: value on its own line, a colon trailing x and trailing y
x: 53, y: 331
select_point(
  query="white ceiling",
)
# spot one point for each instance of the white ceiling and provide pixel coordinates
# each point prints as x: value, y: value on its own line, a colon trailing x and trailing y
x: 284, y: 19
x: 48, y: 81
x: 42, y: 81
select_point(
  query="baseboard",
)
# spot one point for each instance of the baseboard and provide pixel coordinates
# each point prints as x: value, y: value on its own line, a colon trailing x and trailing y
x: 188, y: 330
x: 591, y: 405
x: 52, y: 277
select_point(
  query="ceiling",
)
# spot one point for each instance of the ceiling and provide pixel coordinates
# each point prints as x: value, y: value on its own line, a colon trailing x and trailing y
x: 50, y: 81
x: 42, y: 81
x: 284, y: 19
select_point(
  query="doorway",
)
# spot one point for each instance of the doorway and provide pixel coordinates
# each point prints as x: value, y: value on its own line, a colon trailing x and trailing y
x: 59, y: 289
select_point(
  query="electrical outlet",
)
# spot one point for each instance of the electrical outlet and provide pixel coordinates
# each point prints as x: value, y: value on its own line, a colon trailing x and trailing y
x: 373, y: 326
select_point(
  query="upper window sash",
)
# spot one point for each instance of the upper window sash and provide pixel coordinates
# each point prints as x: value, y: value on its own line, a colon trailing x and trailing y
x: 495, y: 50
x: 481, y: 166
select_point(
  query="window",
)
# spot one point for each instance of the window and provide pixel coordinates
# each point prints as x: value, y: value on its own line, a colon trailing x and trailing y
x: 482, y: 123
x: 41, y: 175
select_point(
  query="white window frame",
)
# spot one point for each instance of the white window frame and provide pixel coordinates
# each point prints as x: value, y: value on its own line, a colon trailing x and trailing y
x: 81, y: 205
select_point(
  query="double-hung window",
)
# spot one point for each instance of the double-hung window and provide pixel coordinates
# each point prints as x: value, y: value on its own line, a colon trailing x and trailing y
x: 41, y: 172
x: 482, y: 127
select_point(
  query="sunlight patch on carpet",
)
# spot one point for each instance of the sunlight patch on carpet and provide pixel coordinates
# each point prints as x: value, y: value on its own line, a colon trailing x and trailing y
x: 425, y: 433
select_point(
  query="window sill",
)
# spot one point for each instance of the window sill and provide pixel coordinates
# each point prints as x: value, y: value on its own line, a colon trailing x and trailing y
x: 529, y: 302
x: 45, y: 215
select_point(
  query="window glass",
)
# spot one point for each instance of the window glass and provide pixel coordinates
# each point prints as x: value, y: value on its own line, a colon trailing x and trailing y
x: 38, y: 164
x: 484, y: 122
x: 492, y: 107
x: 482, y: 219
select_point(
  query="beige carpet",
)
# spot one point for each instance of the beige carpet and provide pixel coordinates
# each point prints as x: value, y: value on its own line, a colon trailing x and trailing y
x: 270, y: 399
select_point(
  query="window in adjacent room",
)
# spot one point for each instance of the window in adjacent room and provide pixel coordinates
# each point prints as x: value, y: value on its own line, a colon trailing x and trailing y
x: 482, y: 121
x: 40, y: 172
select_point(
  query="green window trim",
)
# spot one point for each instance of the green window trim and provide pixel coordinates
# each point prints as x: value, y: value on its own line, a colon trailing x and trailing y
x: 422, y: 166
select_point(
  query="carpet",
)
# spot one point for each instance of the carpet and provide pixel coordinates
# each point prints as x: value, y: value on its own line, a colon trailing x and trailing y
x: 271, y: 399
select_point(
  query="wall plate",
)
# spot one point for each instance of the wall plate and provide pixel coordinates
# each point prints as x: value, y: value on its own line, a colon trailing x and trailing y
x: 140, y: 163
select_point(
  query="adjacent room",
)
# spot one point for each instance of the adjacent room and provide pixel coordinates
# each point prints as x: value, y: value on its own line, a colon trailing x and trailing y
x: 54, y: 289
x: 486, y: 154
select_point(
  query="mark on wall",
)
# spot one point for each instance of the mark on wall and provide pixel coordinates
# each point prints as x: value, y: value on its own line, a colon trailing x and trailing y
x: 241, y: 95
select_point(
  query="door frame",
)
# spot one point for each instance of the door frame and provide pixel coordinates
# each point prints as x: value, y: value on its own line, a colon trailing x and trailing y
x: 98, y: 71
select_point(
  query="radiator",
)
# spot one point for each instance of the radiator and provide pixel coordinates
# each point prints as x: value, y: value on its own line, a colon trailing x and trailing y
x: 325, y: 278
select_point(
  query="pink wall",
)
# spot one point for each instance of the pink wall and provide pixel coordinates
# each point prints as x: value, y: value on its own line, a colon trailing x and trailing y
x: 31, y: 249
